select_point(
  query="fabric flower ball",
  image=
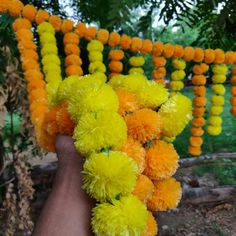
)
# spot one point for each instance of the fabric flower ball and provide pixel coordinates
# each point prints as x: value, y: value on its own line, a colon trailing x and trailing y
x: 127, y: 216
x: 96, y: 131
x: 175, y: 114
x: 144, y: 125
x: 108, y: 175
x: 161, y: 161
x: 167, y: 194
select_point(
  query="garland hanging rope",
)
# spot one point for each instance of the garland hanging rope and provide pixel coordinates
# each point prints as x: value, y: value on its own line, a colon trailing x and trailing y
x: 123, y: 128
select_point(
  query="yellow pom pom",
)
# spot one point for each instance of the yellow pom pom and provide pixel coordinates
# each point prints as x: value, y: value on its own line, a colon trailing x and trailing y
x: 49, y: 49
x: 116, y: 81
x: 47, y: 38
x: 178, y: 75
x: 175, y: 114
x: 179, y: 64
x: 176, y: 85
x: 97, y: 66
x: 52, y: 68
x: 166, y: 195
x: 127, y: 216
x: 216, y: 110
x: 219, y: 79
x: 52, y: 77
x: 152, y: 95
x: 100, y: 76
x: 136, y: 71
x: 133, y: 82
x: 45, y: 27
x: 51, y: 89
x: 136, y: 61
x: 108, y: 175
x: 96, y: 131
x: 215, y: 120
x: 51, y: 58
x: 214, y: 130
x: 217, y: 100
x: 220, y: 69
x: 95, y: 45
x: 95, y: 56
x: 218, y: 89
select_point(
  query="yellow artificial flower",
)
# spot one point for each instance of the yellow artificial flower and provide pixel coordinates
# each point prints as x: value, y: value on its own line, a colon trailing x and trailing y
x: 136, y: 61
x: 51, y: 89
x: 96, y: 131
x: 97, y: 66
x: 95, y: 56
x: 127, y: 216
x: 116, y: 81
x: 100, y: 76
x: 107, y: 175
x: 95, y: 45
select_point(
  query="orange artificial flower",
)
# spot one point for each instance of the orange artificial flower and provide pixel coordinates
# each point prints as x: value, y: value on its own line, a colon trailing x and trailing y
x: 41, y: 16
x: 152, y: 228
x: 195, y: 141
x: 74, y: 70
x: 72, y: 49
x: 33, y: 74
x: 15, y: 7
x: 233, y: 90
x: 157, y: 49
x: 161, y: 160
x: 90, y: 33
x: 198, y: 55
x: 233, y: 101
x: 144, y: 125
x: 230, y: 57
x: 128, y: 102
x: 29, y: 12
x: 114, y: 39
x: 168, y: 50
x: 64, y: 122
x: 198, y: 121
x: 103, y: 36
x: 116, y: 66
x: 159, y: 61
x: 56, y: 22
x: 200, y: 69
x: 198, y: 111
x: 71, y: 38
x: 80, y: 29
x: 219, y: 56
x: 30, y: 54
x: 188, y: 53
x: 199, y: 79
x: 21, y: 23
x: 24, y: 34
x: 136, y: 44
x: 67, y: 26
x: 143, y: 189
x: 197, y: 131
x: 179, y: 51
x: 125, y: 42
x: 146, y: 46
x: 116, y: 55
x: 135, y: 150
x: 195, y: 151
x: 209, y: 56
x: 73, y: 60
x: 199, y: 101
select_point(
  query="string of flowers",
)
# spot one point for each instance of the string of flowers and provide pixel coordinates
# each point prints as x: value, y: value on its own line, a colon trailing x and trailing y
x: 136, y: 63
x: 199, y: 90
x: 115, y: 64
x: 217, y: 99
x: 233, y: 92
x: 159, y: 71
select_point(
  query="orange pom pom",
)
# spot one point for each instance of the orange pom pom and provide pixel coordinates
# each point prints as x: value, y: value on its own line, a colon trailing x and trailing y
x: 136, y: 44
x: 230, y: 57
x: 15, y: 7
x: 199, y: 91
x: 188, y: 53
x: 73, y: 60
x: 152, y: 228
x: 161, y: 161
x: 90, y: 33
x: 198, y: 111
x: 41, y: 16
x: 74, y: 70
x: 56, y: 22
x: 71, y: 38
x: 219, y: 56
x: 159, y: 61
x: 209, y: 56
x: 168, y: 50
x: 166, y: 195
x: 146, y: 46
x: 195, y: 151
x: 116, y: 55
x: 199, y: 80
x: 116, y: 66
x: 125, y: 41
x: 195, y: 141
x: 80, y: 29
x: 143, y: 189
x: 197, y: 131
x: 135, y: 150
x: 157, y: 48
x: 198, y: 121
x: 72, y: 49
x: 103, y: 36
x: 114, y: 39
x: 144, y: 125
x: 179, y: 51
x: 67, y: 26
x: 198, y: 55
x: 199, y: 101
x: 29, y: 12
x: 21, y: 23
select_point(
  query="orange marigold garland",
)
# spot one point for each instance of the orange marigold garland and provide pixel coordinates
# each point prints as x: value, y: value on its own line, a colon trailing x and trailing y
x: 159, y: 71
x: 199, y: 90
x: 115, y: 64
x: 233, y: 92
x: 217, y: 100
